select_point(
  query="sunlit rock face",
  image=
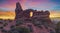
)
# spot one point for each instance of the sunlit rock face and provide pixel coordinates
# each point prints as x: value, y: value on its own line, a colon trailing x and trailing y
x: 35, y: 21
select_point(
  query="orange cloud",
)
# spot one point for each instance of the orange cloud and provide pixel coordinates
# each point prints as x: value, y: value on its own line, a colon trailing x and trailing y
x: 7, y: 15
x: 54, y: 14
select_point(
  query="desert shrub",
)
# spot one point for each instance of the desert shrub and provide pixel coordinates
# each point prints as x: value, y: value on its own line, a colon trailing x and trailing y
x: 19, y: 30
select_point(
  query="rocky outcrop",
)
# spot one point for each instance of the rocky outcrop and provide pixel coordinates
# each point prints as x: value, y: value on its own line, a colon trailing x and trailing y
x: 39, y: 22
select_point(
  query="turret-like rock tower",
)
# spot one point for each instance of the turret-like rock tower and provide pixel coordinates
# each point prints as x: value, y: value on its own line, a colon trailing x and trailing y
x: 18, y: 10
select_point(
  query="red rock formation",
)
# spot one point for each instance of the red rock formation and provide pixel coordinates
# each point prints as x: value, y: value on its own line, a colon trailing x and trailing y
x: 40, y: 21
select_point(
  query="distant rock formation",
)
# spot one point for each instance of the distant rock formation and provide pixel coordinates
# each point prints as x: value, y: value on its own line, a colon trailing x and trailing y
x: 38, y: 21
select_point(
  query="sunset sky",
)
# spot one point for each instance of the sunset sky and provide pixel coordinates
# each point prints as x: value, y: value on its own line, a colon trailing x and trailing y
x: 7, y: 7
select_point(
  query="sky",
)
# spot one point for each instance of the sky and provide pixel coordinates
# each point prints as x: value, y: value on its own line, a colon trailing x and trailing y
x: 52, y: 5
